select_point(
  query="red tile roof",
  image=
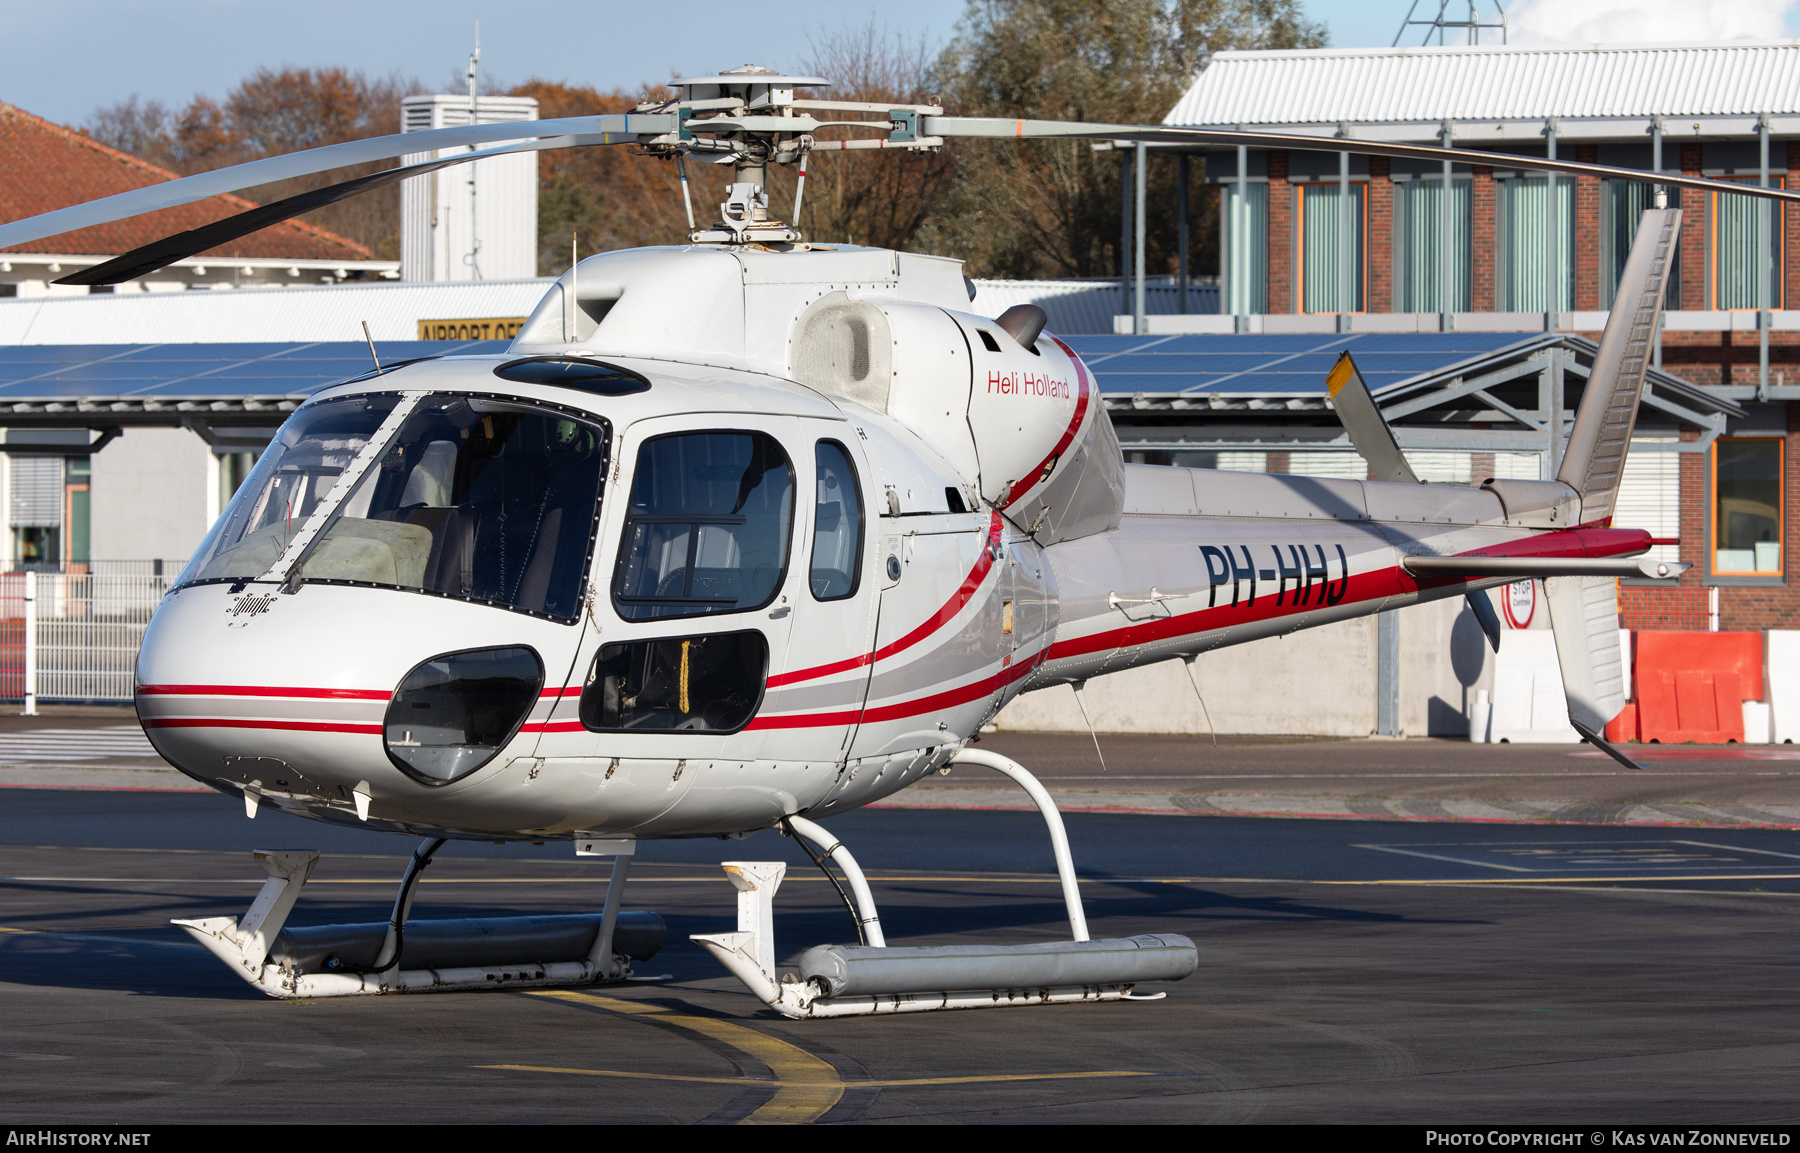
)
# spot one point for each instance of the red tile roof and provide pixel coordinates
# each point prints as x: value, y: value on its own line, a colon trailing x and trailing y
x: 44, y: 166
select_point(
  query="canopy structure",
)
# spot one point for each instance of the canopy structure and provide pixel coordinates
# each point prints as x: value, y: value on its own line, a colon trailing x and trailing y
x: 1458, y: 392
x: 1472, y: 392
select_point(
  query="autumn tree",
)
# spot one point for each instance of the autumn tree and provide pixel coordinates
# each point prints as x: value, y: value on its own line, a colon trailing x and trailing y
x: 270, y: 113
x: 879, y: 198
x: 611, y: 196
x: 1052, y: 208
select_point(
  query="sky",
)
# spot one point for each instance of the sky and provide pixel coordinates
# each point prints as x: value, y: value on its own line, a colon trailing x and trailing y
x: 61, y: 59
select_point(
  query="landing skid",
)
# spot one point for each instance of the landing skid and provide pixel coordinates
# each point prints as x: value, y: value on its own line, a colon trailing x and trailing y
x: 861, y: 980
x: 439, y: 956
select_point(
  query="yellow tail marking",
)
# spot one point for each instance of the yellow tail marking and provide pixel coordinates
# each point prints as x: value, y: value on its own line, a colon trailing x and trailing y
x: 1340, y: 374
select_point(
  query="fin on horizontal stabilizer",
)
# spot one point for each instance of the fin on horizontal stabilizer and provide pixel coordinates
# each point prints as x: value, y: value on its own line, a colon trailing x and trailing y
x: 1594, y: 461
x: 1368, y: 429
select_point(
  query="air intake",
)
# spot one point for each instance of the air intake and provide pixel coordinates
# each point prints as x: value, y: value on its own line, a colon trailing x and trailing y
x: 844, y: 347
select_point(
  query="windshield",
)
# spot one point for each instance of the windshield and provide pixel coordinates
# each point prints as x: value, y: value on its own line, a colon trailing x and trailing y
x: 487, y: 500
x: 286, y: 487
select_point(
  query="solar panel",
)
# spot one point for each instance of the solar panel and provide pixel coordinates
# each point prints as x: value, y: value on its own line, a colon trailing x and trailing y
x: 71, y: 371
x: 1252, y: 364
x: 1274, y: 364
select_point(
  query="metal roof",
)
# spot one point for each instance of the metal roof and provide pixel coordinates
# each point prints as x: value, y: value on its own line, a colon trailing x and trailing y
x: 336, y: 312
x: 1088, y: 306
x: 1499, y: 83
x: 300, y: 313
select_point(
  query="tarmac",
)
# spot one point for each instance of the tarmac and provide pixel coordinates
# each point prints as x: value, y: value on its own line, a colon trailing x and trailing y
x: 1361, y: 969
x: 1419, y: 779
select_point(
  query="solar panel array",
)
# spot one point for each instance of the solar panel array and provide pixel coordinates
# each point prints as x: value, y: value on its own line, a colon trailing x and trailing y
x: 1274, y: 365
x: 220, y: 371
x: 1235, y: 365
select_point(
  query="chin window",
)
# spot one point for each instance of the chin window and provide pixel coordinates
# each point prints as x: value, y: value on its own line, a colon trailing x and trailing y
x: 454, y: 713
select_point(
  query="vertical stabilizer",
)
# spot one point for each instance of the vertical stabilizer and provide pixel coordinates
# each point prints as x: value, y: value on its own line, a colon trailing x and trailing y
x: 1584, y: 613
x: 1595, y: 459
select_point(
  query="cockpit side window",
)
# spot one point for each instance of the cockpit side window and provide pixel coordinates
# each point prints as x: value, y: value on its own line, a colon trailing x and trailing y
x: 837, y: 525
x: 707, y: 527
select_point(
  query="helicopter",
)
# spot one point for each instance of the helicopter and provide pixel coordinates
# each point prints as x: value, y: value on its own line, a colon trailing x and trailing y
x: 753, y: 530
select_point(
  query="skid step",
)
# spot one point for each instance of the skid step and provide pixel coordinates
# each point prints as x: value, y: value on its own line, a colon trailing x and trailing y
x: 859, y: 980
x: 405, y: 956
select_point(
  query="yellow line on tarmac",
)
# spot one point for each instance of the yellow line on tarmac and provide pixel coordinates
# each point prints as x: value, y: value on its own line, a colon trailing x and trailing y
x: 894, y: 1084
x: 806, y: 1087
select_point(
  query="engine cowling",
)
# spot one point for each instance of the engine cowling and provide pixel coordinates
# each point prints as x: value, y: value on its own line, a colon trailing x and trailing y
x: 1024, y: 426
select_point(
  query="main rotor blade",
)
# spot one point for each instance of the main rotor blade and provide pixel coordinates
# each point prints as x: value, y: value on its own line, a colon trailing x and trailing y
x: 162, y: 253
x: 974, y: 126
x: 621, y: 129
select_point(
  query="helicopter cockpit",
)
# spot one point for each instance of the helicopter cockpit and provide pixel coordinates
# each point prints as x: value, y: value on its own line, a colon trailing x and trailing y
x: 479, y: 498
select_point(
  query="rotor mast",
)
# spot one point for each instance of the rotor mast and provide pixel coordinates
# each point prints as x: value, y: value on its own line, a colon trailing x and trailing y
x: 751, y: 118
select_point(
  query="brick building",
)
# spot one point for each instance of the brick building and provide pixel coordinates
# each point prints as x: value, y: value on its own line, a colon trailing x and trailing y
x: 1490, y: 248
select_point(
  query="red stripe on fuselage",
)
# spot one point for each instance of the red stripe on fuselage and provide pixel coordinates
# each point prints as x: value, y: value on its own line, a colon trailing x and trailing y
x: 236, y: 723
x: 964, y: 593
x: 264, y: 691
x: 552, y: 727
x: 1029, y: 480
x: 949, y: 698
x: 1360, y: 587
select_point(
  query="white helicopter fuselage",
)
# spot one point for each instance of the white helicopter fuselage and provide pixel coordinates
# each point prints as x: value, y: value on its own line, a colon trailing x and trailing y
x: 832, y: 523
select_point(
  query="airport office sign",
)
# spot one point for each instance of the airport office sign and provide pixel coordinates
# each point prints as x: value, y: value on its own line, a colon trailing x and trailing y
x: 476, y: 328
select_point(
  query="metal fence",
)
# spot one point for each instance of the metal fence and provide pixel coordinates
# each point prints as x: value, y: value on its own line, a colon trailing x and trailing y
x: 73, y: 636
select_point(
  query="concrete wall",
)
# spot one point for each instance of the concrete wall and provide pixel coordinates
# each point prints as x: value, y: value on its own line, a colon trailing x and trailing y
x: 1320, y: 681
x: 149, y: 496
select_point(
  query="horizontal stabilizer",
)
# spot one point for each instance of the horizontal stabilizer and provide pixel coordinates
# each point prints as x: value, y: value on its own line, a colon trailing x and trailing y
x: 1521, y: 567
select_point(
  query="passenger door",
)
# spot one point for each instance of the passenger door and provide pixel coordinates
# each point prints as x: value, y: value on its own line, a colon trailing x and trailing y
x: 700, y: 512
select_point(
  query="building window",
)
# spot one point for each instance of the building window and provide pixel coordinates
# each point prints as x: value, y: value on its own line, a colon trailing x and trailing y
x: 76, y: 483
x: 1732, y: 244
x: 1747, y: 512
x: 37, y: 509
x: 9, y: 289
x: 1525, y: 253
x: 1246, y: 249
x: 1625, y: 202
x: 1419, y: 242
x: 1321, y: 248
